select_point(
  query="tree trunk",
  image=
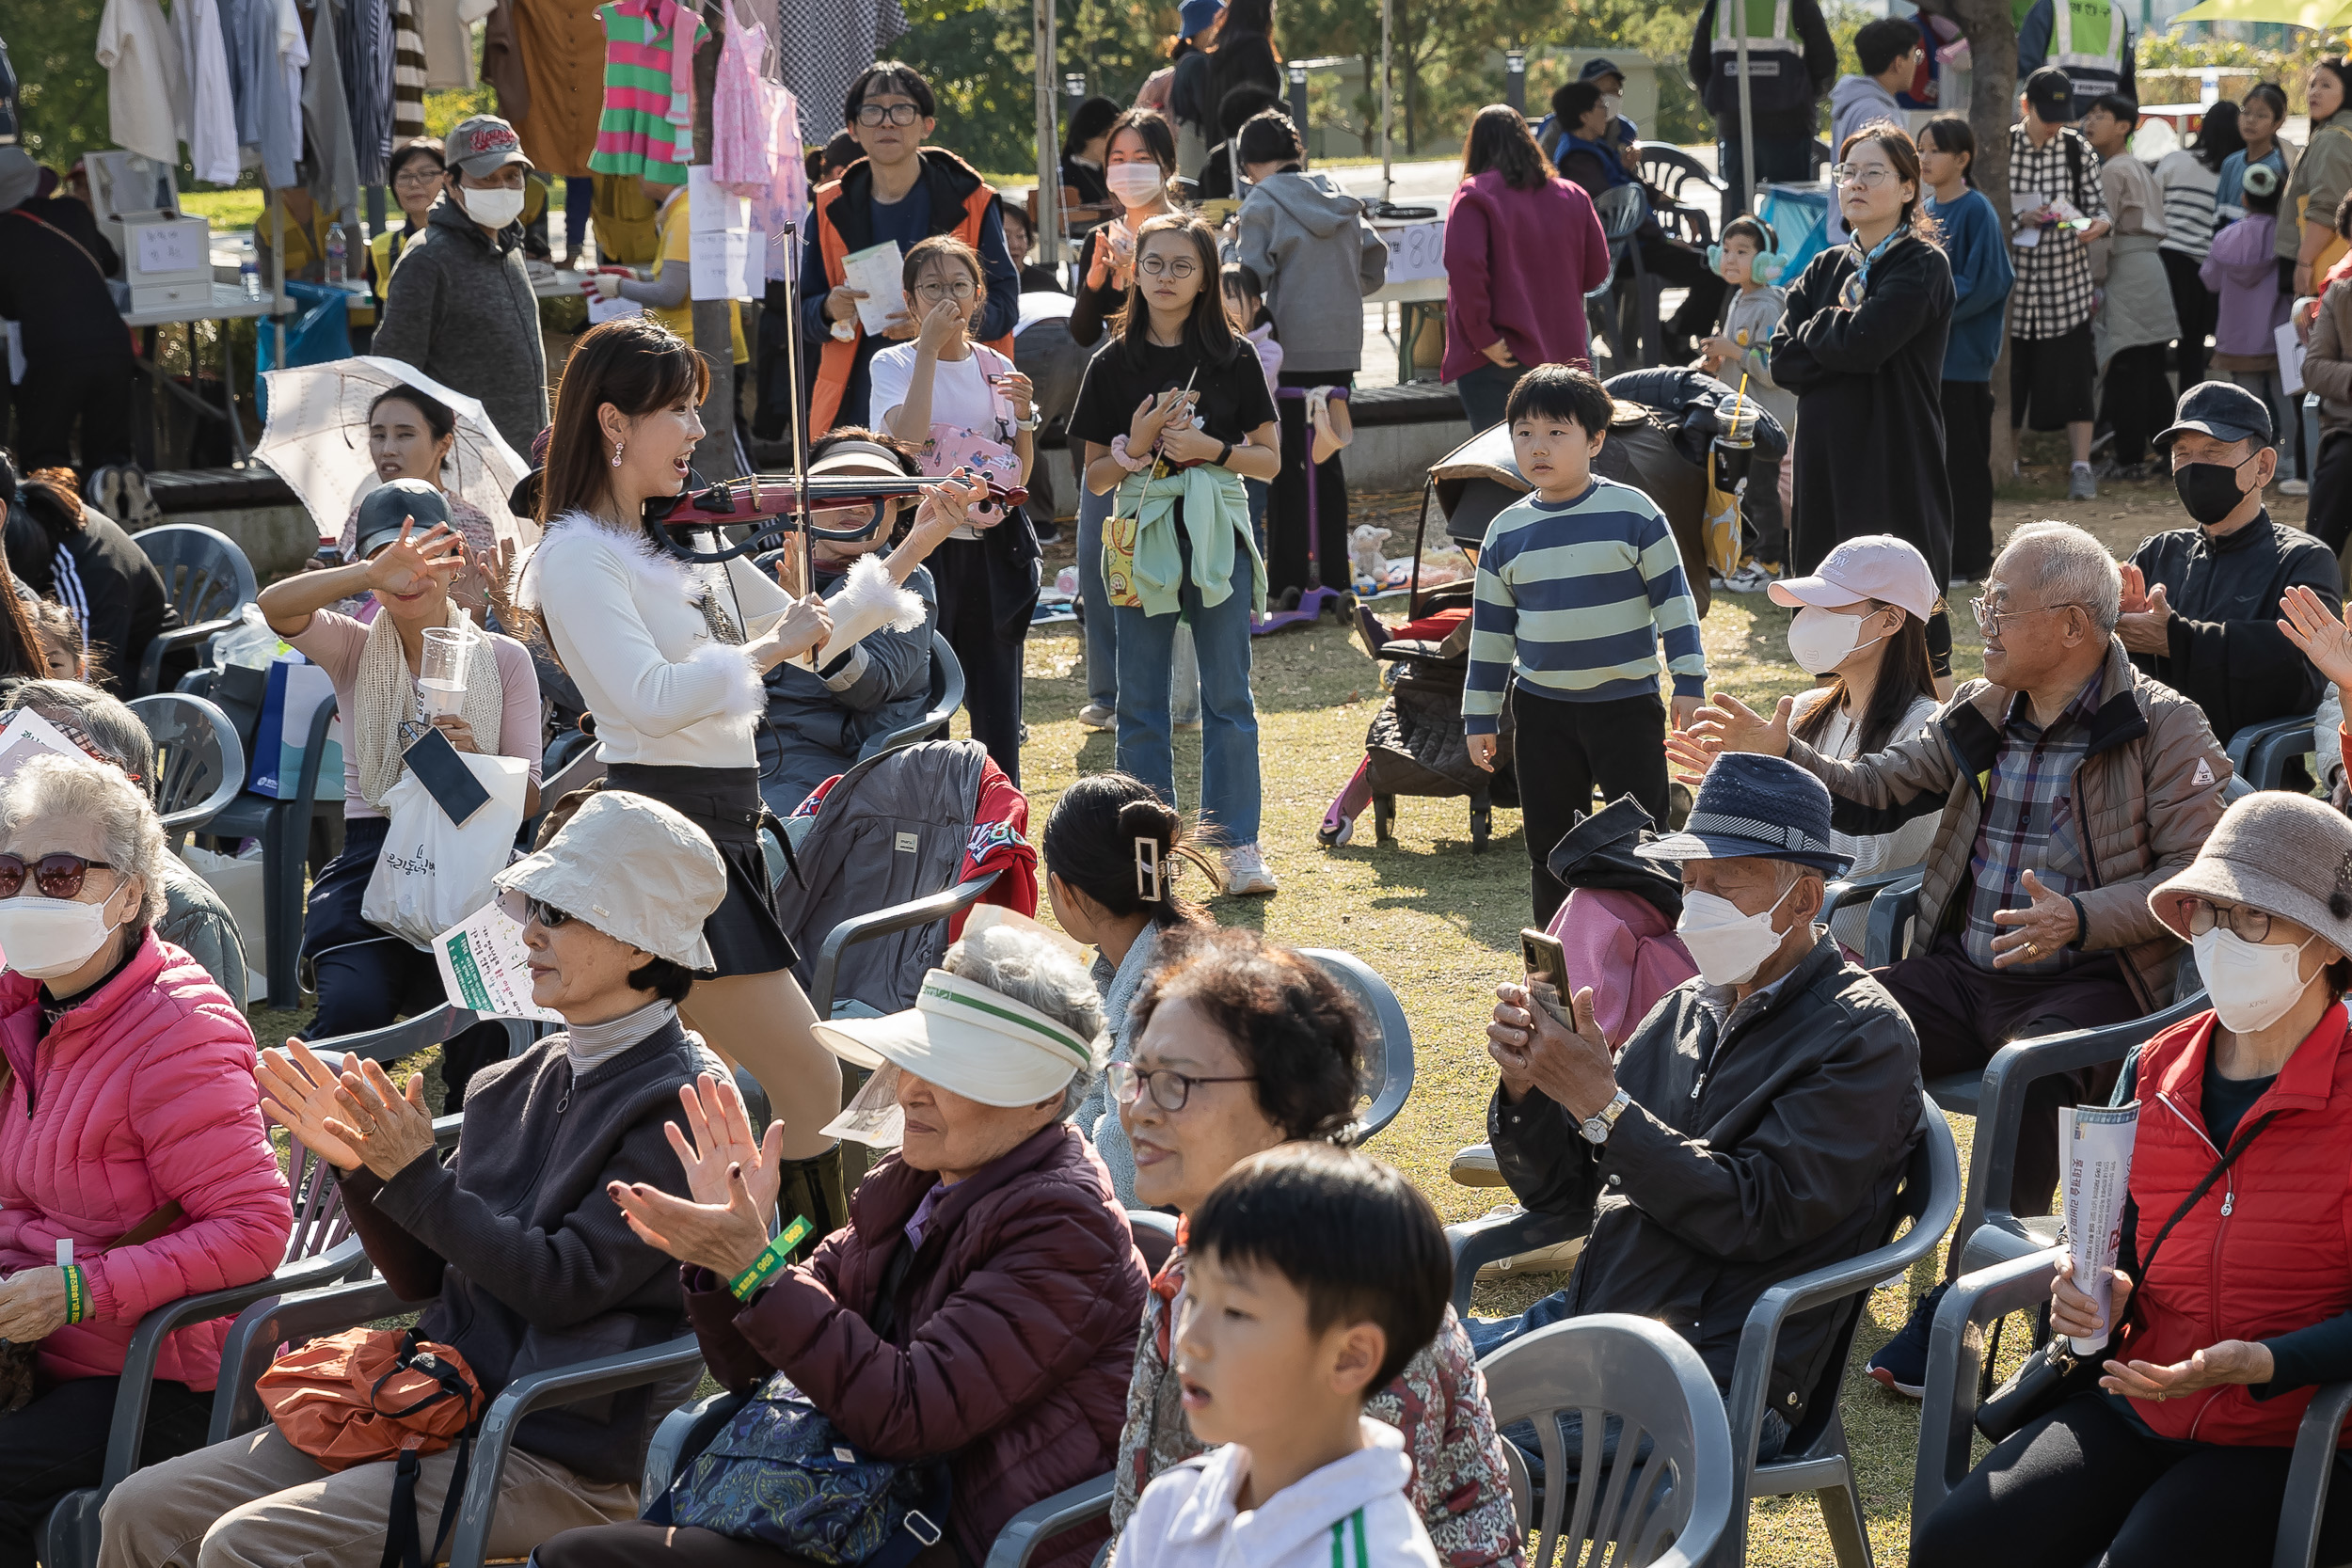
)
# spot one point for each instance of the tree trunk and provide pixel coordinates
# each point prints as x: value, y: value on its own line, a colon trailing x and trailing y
x: 1992, y: 111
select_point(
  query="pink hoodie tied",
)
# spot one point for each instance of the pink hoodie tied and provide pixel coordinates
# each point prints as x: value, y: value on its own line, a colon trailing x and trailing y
x: 141, y: 1094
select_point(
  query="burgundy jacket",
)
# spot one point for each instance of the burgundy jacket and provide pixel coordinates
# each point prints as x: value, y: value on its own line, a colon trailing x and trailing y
x: 1015, y: 1330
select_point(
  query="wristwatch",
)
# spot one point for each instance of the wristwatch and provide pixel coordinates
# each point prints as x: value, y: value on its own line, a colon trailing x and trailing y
x: 1597, y: 1127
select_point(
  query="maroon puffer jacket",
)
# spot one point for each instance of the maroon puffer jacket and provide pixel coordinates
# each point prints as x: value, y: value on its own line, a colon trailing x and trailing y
x: 1014, y: 1339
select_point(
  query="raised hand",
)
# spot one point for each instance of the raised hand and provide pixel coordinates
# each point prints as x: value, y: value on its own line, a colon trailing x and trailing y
x: 720, y: 1137
x: 1740, y: 728
x: 414, y: 560
x: 298, y: 1094
x: 389, y: 1128
x: 726, y: 1238
x: 2040, y: 930
x: 2322, y: 636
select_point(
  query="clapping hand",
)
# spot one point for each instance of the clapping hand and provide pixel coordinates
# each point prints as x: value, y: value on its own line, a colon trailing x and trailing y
x: 2135, y: 590
x: 2147, y: 630
x: 298, y: 1094
x: 723, y: 1226
x: 718, y: 1133
x: 353, y: 1120
x: 2322, y: 636
x: 2040, y: 930
x: 1725, y: 724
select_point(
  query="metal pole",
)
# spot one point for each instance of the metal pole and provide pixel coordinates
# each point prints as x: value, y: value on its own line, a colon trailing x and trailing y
x: 1747, y: 107
x: 1299, y: 99
x: 1388, y: 83
x: 278, y: 278
x: 1515, y: 79
x: 1048, y: 140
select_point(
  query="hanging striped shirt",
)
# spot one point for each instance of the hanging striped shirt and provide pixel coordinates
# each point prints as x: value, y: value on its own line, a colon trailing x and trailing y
x: 1573, y: 599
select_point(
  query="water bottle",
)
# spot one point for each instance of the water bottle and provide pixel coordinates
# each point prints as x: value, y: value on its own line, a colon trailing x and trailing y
x: 249, y: 274
x: 337, y: 269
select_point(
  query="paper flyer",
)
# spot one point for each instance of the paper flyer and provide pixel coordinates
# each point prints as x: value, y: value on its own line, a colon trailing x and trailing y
x: 27, y: 735
x: 2095, y: 1163
x: 877, y: 270
x: 484, y: 968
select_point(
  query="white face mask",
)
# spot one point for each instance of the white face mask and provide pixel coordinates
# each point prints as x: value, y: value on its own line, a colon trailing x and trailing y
x: 1134, y: 184
x: 44, y: 938
x: 1610, y: 101
x: 2252, y: 983
x: 493, y: 207
x: 1820, y: 640
x: 1727, y: 943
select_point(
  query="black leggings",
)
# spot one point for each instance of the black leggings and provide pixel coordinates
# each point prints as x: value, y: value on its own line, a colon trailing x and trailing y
x: 2083, y: 1479
x: 2136, y: 400
x: 971, y: 620
x: 1562, y: 750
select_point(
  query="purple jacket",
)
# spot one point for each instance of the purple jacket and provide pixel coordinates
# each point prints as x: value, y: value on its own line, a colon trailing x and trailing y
x: 1518, y: 265
x: 2242, y: 270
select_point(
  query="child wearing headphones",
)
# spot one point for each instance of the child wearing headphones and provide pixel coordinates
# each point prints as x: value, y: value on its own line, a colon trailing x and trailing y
x: 1739, y: 355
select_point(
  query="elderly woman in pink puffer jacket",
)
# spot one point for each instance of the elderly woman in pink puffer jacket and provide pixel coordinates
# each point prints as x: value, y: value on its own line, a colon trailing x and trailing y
x: 127, y: 1103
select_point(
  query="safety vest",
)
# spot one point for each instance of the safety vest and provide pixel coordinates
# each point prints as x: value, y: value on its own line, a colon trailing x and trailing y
x: 839, y: 358
x: 1771, y: 47
x: 2097, y: 67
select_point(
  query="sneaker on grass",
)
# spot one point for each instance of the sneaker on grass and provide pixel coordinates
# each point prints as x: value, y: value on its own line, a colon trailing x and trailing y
x: 1094, y: 715
x: 1752, y: 577
x: 1246, y: 872
x: 1901, y: 1363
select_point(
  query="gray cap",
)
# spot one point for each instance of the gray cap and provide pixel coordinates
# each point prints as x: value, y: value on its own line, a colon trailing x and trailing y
x: 485, y: 144
x: 384, y: 509
x: 2284, y: 854
x: 20, y: 177
x: 634, y: 869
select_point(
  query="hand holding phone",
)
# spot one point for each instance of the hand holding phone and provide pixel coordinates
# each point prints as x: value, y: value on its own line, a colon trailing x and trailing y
x: 1548, y: 965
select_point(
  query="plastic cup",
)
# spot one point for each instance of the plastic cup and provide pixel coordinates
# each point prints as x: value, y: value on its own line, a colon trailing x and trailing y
x: 442, y: 677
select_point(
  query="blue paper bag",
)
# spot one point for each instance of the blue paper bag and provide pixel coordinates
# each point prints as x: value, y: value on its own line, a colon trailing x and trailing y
x: 297, y: 688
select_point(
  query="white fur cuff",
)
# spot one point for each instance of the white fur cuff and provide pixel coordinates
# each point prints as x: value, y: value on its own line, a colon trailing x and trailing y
x: 744, y: 694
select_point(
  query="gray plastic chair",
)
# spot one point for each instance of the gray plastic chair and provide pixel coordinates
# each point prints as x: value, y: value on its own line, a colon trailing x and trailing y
x: 1387, y: 1067
x: 206, y: 578
x: 395, y: 1042
x: 947, y: 695
x: 199, y: 762
x: 2260, y: 752
x: 1669, y: 1510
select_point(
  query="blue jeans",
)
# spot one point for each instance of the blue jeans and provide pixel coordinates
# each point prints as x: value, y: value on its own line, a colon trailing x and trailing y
x: 1229, y: 717
x: 1485, y: 389
x: 1101, y: 627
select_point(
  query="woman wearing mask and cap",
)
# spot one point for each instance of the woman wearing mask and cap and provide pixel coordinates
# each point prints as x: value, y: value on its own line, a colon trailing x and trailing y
x: 522, y: 1262
x: 1861, y: 627
x: 462, y: 311
x: 2211, y: 1335
x: 979, y: 1308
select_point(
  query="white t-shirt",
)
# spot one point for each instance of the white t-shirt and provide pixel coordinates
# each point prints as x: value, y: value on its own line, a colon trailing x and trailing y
x: 147, y: 88
x: 960, y: 397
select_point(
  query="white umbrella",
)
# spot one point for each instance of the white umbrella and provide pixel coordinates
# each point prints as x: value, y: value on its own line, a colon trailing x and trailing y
x: 317, y: 441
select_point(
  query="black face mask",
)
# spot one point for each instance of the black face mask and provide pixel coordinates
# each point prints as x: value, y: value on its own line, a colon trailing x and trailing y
x: 2210, y: 491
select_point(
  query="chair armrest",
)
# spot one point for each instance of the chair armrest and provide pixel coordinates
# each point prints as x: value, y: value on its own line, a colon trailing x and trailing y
x: 1862, y: 889
x: 2250, y: 738
x: 151, y: 661
x: 1895, y: 905
x: 1494, y: 1237
x: 1017, y: 1542
x: 606, y: 1374
x: 1955, y: 1360
x: 261, y: 1328
x: 2308, y: 1475
x: 674, y: 1441
x: 943, y: 905
x: 445, y: 1131
x: 306, y: 778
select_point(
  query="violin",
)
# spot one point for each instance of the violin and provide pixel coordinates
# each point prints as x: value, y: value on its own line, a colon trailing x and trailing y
x: 777, y: 506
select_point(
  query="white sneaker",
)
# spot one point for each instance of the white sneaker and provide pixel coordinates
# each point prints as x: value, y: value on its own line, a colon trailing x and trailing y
x: 1094, y: 715
x: 1754, y: 578
x: 1246, y: 872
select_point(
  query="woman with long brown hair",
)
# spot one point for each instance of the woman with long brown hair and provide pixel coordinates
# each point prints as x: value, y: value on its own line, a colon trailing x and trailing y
x: 670, y: 656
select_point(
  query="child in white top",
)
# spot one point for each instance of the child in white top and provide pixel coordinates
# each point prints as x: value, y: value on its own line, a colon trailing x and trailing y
x: 1316, y: 1273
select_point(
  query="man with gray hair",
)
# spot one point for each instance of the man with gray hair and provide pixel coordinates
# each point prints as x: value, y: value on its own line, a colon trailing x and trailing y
x: 2070, y: 784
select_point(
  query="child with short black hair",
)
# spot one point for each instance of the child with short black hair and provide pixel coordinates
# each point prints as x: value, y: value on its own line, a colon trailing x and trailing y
x: 1316, y: 1275
x: 1577, y: 583
x: 1739, y: 354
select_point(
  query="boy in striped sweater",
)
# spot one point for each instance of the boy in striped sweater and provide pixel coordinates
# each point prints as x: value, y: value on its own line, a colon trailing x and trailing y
x: 1577, y: 584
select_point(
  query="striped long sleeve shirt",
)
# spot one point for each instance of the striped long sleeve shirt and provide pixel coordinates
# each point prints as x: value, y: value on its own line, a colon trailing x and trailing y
x: 1573, y: 599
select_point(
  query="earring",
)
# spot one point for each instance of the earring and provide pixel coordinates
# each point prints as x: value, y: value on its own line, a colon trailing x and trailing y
x: 616, y: 454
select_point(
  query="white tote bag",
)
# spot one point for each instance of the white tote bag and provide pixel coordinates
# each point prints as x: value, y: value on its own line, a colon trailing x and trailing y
x: 434, y: 873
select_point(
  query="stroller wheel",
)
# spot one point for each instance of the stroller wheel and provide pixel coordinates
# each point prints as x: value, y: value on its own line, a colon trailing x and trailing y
x: 1482, y: 828
x: 1384, y: 818
x: 1332, y: 837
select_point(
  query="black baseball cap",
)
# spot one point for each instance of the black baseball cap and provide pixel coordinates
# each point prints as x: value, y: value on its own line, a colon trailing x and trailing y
x: 2051, y: 94
x: 2221, y: 409
x: 1596, y: 68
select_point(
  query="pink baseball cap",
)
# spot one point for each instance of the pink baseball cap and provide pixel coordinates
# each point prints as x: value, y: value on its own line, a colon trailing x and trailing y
x: 1875, y: 567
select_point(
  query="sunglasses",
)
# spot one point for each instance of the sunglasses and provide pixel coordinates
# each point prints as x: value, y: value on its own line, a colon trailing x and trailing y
x: 57, y: 876
x: 545, y: 914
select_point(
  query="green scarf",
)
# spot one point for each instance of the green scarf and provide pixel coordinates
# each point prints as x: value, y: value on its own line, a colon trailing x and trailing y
x: 1216, y: 512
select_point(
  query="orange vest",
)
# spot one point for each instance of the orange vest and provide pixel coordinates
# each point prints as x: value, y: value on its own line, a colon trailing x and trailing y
x: 838, y: 358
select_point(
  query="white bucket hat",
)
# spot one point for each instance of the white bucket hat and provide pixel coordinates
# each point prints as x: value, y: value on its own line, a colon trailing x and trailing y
x: 634, y: 869
x: 969, y: 1040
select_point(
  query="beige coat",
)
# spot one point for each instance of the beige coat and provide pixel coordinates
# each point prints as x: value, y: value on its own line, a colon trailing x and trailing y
x: 2328, y: 366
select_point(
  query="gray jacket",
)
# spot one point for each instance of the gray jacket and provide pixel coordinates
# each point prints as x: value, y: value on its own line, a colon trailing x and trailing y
x: 820, y: 723
x: 199, y: 925
x: 1309, y: 241
x: 461, y: 310
x: 1096, y: 1116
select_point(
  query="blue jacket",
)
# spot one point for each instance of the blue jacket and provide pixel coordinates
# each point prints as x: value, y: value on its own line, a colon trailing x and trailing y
x: 1982, y: 276
x: 820, y: 723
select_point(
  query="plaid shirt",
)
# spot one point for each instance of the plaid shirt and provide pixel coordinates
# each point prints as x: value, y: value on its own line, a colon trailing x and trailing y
x: 2028, y: 824
x: 2054, y: 294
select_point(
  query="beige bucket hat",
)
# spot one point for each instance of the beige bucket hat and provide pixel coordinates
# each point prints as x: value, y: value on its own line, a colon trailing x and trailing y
x: 2283, y: 854
x: 634, y: 869
x: 968, y: 1039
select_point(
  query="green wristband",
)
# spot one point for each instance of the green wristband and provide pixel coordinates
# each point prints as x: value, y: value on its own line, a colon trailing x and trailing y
x: 77, y: 1294
x: 770, y: 1262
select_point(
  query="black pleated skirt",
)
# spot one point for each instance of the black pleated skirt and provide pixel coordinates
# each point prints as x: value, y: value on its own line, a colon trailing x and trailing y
x: 744, y: 934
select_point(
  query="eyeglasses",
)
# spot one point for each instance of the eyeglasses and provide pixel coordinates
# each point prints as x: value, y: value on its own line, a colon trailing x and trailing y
x: 57, y: 876
x: 937, y: 292
x: 2251, y: 923
x: 871, y: 114
x: 1180, y: 269
x: 1170, y: 1090
x: 413, y: 176
x: 545, y: 914
x: 1855, y: 174
x: 1989, y: 619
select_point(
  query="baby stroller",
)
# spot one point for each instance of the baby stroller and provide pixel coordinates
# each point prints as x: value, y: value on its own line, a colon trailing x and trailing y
x: 1666, y: 423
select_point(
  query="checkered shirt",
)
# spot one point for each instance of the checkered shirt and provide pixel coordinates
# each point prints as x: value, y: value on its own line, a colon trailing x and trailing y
x: 2054, y: 294
x: 2029, y: 824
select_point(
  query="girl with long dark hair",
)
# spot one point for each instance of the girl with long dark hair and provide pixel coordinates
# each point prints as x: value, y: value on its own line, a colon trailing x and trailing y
x: 670, y: 656
x: 1177, y: 387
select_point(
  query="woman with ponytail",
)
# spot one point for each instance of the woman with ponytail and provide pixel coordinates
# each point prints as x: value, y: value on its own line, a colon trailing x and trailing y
x: 1112, y: 850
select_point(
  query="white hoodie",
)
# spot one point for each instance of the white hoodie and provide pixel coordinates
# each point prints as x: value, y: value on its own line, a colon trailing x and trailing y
x: 1353, y: 1512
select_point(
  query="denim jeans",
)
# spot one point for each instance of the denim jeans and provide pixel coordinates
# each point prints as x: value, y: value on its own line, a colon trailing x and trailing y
x: 1101, y: 659
x: 1485, y: 389
x: 1229, y: 717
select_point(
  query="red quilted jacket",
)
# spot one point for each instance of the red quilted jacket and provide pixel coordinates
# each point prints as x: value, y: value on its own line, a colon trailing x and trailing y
x: 1015, y: 1332
x: 2268, y: 1250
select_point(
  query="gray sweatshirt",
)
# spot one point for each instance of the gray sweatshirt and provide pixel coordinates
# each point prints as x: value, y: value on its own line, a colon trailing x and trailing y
x: 460, y: 309
x: 1308, y: 240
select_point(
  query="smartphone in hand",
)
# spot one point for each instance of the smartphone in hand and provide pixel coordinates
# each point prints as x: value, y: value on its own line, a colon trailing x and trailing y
x: 1546, y: 963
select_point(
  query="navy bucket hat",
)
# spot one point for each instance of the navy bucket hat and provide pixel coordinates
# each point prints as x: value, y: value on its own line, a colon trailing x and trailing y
x: 1755, y: 805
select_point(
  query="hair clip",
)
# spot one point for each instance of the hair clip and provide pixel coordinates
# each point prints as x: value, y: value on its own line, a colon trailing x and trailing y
x: 1151, y: 876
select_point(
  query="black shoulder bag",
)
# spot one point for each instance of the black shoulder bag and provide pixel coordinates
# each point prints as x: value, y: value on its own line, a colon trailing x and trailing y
x: 2053, y: 1373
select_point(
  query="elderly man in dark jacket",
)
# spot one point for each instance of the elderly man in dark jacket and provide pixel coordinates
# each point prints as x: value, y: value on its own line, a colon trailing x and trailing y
x: 1754, y: 1126
x: 2204, y: 618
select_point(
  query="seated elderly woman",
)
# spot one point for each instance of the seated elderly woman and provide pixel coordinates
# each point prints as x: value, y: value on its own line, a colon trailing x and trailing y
x: 1241, y: 1045
x: 407, y: 555
x: 2216, y: 1332
x: 194, y: 919
x: 821, y: 722
x: 980, y: 1305
x: 129, y: 1125
x: 525, y: 1263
